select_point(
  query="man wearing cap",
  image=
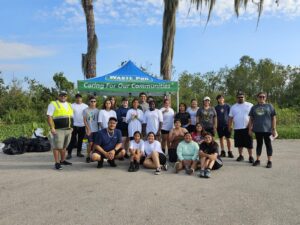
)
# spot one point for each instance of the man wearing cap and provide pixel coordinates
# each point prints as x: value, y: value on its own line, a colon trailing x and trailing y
x: 239, y: 115
x: 78, y: 128
x: 108, y: 144
x: 122, y: 125
x: 207, y: 116
x: 143, y: 102
x: 60, y: 120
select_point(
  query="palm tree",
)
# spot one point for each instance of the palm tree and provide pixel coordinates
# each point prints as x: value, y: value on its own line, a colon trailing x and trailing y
x: 88, y: 61
x: 169, y: 27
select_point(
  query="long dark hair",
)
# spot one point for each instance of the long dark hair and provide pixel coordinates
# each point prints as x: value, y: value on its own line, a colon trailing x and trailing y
x: 104, y: 103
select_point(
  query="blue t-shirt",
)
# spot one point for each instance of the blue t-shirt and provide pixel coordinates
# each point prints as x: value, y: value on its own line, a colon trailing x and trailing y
x: 121, y: 113
x: 222, y: 114
x: 108, y: 141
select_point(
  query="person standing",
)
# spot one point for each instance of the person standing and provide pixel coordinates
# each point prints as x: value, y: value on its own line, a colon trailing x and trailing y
x: 192, y: 110
x: 223, y: 110
x: 108, y: 144
x: 105, y: 113
x: 183, y: 116
x: 239, y: 115
x: 90, y: 118
x: 263, y: 124
x: 122, y: 125
x: 207, y: 116
x: 78, y: 132
x: 153, y: 120
x: 60, y: 121
x: 168, y: 123
x: 143, y: 102
x: 134, y: 118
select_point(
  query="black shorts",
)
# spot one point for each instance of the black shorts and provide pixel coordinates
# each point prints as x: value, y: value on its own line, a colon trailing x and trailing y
x: 103, y: 156
x: 165, y: 131
x: 210, y: 130
x: 223, y: 132
x: 162, y: 159
x: 242, y: 139
x: 124, y: 132
x: 92, y: 137
x: 218, y: 164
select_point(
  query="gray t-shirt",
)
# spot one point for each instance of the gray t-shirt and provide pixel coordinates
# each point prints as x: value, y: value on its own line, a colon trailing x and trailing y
x: 261, y: 115
x: 206, y: 117
x: 144, y: 106
x: 92, y: 118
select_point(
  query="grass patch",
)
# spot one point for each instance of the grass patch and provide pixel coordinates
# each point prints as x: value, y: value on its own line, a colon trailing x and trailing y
x: 288, y: 132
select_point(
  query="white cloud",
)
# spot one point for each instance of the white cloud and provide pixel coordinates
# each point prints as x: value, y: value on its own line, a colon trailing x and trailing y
x: 13, y: 67
x: 149, y: 12
x: 16, y: 50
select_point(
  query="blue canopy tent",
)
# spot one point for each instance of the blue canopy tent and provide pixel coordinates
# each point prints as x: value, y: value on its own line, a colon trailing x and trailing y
x: 129, y: 80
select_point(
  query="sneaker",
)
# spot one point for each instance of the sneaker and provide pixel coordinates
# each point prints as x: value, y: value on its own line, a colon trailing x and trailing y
x: 121, y: 159
x: 165, y: 167
x: 201, y: 174
x: 269, y: 164
x: 240, y: 158
x: 66, y: 163
x: 190, y: 171
x: 80, y: 155
x: 112, y: 163
x: 157, y: 171
x: 131, y: 167
x: 207, y: 173
x: 223, y: 153
x: 88, y: 160
x: 126, y: 156
x: 100, y: 164
x: 251, y: 159
x: 69, y: 156
x: 57, y: 166
x: 230, y: 155
x: 136, y: 166
x: 177, y: 167
x: 256, y: 163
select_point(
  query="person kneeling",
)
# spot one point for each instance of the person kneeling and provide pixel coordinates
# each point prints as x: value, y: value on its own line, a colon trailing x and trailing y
x: 108, y: 144
x: 155, y: 158
x: 208, y: 154
x: 136, y: 150
x: 187, y: 154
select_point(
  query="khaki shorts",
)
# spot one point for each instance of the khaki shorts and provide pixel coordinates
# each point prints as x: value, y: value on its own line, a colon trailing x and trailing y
x: 61, y: 139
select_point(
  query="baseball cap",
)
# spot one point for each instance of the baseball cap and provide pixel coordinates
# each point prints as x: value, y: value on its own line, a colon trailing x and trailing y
x: 240, y: 93
x: 206, y: 98
x: 78, y: 95
x: 63, y: 93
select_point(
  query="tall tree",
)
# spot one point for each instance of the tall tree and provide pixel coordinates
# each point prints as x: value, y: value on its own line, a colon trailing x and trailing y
x: 88, y: 61
x: 169, y: 27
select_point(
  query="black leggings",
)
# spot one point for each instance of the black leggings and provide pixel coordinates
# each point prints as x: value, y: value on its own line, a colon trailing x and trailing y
x: 80, y: 132
x: 260, y: 137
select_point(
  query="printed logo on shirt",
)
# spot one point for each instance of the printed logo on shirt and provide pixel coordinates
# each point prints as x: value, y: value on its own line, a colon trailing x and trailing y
x: 260, y: 111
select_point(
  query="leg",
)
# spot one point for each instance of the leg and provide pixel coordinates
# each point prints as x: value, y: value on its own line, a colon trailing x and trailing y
x: 81, y: 134
x: 56, y: 155
x: 210, y: 164
x: 222, y: 143
x: 203, y: 163
x: 228, y: 144
x: 268, y: 146
x: 259, y: 144
x: 178, y: 166
x: 148, y: 163
x: 164, y: 144
x: 120, y: 154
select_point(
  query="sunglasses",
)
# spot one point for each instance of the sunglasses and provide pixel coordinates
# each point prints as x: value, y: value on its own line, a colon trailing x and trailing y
x: 62, y: 96
x: 92, y: 101
x: 241, y: 97
x: 262, y: 96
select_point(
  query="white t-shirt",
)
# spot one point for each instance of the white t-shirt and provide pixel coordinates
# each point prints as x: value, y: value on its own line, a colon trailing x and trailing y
x: 104, y: 117
x: 240, y: 114
x: 152, y: 119
x: 51, y: 108
x: 134, y: 146
x: 193, y: 114
x: 78, y: 114
x: 168, y: 119
x: 134, y: 118
x: 149, y: 148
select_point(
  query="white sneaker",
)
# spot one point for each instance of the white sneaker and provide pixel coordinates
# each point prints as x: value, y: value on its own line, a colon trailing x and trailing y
x: 157, y: 171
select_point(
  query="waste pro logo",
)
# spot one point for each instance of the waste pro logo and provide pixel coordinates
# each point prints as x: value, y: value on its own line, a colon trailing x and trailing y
x: 128, y: 78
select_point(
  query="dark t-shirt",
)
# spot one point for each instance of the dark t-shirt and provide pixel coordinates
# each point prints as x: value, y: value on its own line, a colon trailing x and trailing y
x: 222, y: 114
x: 210, y: 149
x: 261, y: 115
x: 183, y: 117
x: 107, y: 142
x: 121, y: 113
x: 206, y: 117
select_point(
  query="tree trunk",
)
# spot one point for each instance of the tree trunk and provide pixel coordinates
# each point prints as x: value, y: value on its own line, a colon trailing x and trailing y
x: 169, y: 28
x: 89, y: 59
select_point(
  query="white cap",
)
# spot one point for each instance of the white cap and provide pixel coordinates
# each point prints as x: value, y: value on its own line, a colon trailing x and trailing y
x: 206, y: 98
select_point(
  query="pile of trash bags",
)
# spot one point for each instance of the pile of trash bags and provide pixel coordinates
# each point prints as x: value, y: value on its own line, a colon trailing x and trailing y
x: 16, y: 146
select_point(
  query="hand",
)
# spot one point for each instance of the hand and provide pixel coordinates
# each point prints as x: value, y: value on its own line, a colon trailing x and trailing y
x: 250, y: 132
x: 53, y: 131
x: 230, y: 129
x: 88, y: 132
x: 111, y: 154
x: 274, y: 133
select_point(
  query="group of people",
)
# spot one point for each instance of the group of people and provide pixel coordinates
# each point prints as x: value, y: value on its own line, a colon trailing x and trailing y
x: 145, y: 133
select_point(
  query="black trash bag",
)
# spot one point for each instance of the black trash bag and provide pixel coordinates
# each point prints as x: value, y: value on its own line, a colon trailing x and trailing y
x: 15, y: 146
x: 39, y: 144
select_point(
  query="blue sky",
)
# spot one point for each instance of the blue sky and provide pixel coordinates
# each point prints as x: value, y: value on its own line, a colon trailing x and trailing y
x: 41, y: 37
